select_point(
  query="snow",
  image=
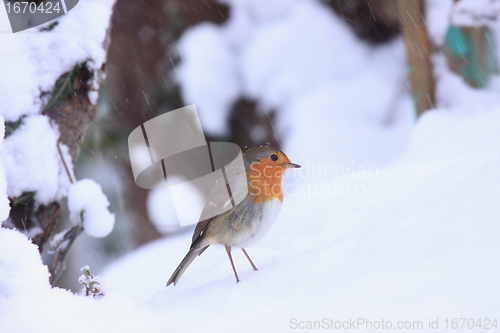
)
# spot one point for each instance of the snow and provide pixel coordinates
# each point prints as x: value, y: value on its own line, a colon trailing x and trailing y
x: 93, y: 97
x: 304, y: 62
x: 466, y: 13
x: 4, y: 201
x: 4, y: 22
x: 454, y: 94
x: 218, y: 63
x: 29, y: 304
x: 32, y: 54
x: 437, y: 14
x: 403, y: 225
x: 336, y: 117
x: 294, y: 67
x: 32, y: 162
x: 207, y: 75
x: 419, y: 242
x: 475, y: 13
x: 88, y: 206
x: 29, y: 154
x: 161, y: 210
x: 22, y: 273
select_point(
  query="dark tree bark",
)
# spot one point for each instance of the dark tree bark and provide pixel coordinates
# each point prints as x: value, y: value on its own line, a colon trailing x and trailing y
x: 246, y: 118
x: 374, y: 21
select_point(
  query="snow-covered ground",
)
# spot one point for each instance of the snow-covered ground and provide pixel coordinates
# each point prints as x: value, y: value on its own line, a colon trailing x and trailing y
x: 418, y: 241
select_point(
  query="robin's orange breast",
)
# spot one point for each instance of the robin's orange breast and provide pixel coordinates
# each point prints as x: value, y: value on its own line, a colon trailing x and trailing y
x: 264, y: 182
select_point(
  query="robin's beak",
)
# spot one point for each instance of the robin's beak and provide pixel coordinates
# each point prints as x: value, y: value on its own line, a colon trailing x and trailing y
x: 291, y: 165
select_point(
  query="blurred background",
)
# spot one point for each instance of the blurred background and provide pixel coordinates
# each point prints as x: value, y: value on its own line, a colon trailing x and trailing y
x: 337, y: 83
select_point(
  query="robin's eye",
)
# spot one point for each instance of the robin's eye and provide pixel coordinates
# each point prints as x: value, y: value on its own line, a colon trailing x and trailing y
x: 274, y: 157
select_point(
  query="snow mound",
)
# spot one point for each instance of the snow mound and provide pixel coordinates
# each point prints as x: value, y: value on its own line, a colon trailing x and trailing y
x: 88, y: 206
x: 22, y: 273
x: 29, y: 304
x: 31, y: 161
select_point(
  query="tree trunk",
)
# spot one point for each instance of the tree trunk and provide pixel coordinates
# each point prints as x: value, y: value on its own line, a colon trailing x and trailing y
x: 418, y: 51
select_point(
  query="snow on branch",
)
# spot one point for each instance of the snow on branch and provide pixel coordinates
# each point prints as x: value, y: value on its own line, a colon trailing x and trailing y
x: 88, y: 208
x: 49, y: 82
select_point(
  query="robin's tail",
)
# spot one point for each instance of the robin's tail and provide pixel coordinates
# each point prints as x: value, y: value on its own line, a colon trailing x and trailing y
x: 188, y: 259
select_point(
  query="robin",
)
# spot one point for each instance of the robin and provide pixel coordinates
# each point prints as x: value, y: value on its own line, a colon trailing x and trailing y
x: 252, y: 218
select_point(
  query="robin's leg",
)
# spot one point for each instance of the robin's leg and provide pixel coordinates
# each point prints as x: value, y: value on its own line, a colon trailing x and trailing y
x: 228, y: 250
x: 248, y: 257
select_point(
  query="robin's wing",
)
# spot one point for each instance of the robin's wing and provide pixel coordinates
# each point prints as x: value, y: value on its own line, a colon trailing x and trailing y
x: 200, y: 227
x: 228, y: 191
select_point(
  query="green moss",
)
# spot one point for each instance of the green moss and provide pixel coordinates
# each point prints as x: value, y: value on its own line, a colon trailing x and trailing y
x: 11, y: 126
x: 64, y: 85
x: 27, y: 198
